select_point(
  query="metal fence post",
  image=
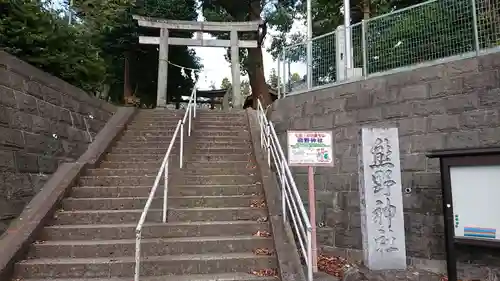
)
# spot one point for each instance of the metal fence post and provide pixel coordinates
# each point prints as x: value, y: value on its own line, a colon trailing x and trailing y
x: 278, y: 86
x: 309, y: 63
x: 475, y: 26
x: 284, y: 72
x: 363, y: 48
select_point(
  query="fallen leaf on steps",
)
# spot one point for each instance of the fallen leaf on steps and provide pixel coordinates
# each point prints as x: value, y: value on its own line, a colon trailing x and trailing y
x: 268, y: 272
x: 263, y: 252
x: 262, y: 219
x: 262, y: 233
x: 258, y: 204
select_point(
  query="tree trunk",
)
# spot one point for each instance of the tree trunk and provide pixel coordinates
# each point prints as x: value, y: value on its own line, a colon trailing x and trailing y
x: 127, y: 91
x: 256, y: 65
x: 257, y: 78
x: 366, y: 9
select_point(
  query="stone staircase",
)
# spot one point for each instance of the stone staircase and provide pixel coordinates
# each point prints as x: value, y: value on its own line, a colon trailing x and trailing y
x: 215, y: 210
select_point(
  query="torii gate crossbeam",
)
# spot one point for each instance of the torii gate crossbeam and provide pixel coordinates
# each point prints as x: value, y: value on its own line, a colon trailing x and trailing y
x: 164, y: 40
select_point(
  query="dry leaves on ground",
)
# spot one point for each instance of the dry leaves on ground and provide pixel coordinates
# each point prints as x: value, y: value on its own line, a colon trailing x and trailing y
x: 268, y: 272
x: 332, y: 265
x: 258, y: 204
x: 262, y: 219
x: 262, y: 233
x: 263, y: 252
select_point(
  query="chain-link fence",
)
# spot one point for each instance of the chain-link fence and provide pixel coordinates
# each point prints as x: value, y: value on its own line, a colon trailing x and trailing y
x: 405, y: 38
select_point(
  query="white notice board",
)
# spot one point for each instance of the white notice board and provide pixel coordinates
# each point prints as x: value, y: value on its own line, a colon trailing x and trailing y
x: 475, y: 191
x: 310, y: 148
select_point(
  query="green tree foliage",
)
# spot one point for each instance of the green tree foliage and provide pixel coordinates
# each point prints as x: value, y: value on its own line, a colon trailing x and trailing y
x: 225, y: 84
x: 276, y: 14
x: 37, y: 35
x: 402, y: 38
x: 273, y: 79
x: 91, y: 52
x: 117, y: 33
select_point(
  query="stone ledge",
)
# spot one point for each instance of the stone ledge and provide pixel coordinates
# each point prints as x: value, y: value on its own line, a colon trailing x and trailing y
x: 289, y: 263
x: 22, y: 232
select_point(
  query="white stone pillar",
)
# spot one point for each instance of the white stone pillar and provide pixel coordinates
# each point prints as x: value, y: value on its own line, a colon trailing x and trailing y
x: 235, y: 70
x: 161, y: 98
x: 382, y: 221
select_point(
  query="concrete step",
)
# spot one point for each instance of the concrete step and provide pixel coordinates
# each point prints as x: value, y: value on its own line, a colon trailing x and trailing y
x: 195, y: 136
x: 153, y: 171
x: 155, y: 215
x: 147, y: 134
x: 161, y: 150
x: 139, y: 171
x: 127, y: 203
x: 149, y: 247
x: 197, y: 144
x: 174, y: 180
x: 152, y: 126
x: 113, y: 157
x: 200, y: 138
x: 154, y: 265
x: 195, y: 124
x: 198, y: 157
x: 165, y: 139
x: 180, y: 190
x: 147, y: 144
x: 195, y: 165
x: 214, y: 179
x: 216, y: 131
x: 135, y: 165
x: 151, y: 230
x: 191, y: 157
x: 236, y: 276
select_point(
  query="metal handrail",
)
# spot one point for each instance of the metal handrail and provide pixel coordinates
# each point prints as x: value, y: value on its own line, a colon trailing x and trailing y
x: 291, y: 203
x: 190, y: 112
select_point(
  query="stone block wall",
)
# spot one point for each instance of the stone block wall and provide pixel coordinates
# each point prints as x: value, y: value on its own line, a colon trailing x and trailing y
x: 450, y: 105
x: 43, y: 122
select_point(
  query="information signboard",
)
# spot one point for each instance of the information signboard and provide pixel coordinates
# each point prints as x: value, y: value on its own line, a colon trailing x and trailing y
x: 474, y: 195
x: 310, y: 148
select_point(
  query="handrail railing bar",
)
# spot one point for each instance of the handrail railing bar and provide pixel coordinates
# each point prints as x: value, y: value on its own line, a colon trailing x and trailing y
x: 292, y: 201
x: 157, y: 181
x: 289, y: 174
x: 285, y: 185
x: 296, y: 215
x: 181, y: 150
x: 138, y: 229
x: 164, y: 171
x: 300, y: 237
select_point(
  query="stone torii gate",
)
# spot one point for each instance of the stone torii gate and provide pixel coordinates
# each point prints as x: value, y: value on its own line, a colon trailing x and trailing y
x: 164, y: 40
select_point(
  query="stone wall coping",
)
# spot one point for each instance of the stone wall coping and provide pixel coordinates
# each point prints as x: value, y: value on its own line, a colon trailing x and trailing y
x: 289, y: 263
x: 23, y: 68
x: 106, y: 137
x: 23, y: 231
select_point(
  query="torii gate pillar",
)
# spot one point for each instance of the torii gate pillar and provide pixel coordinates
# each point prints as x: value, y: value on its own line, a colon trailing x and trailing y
x: 164, y: 41
x: 161, y: 97
x: 235, y: 69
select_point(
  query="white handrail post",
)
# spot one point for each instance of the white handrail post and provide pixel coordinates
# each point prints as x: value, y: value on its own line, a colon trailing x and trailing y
x: 194, y: 112
x: 137, y: 254
x: 189, y: 120
x: 309, y: 255
x: 283, y: 188
x: 182, y: 144
x: 165, y: 193
x: 268, y: 137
